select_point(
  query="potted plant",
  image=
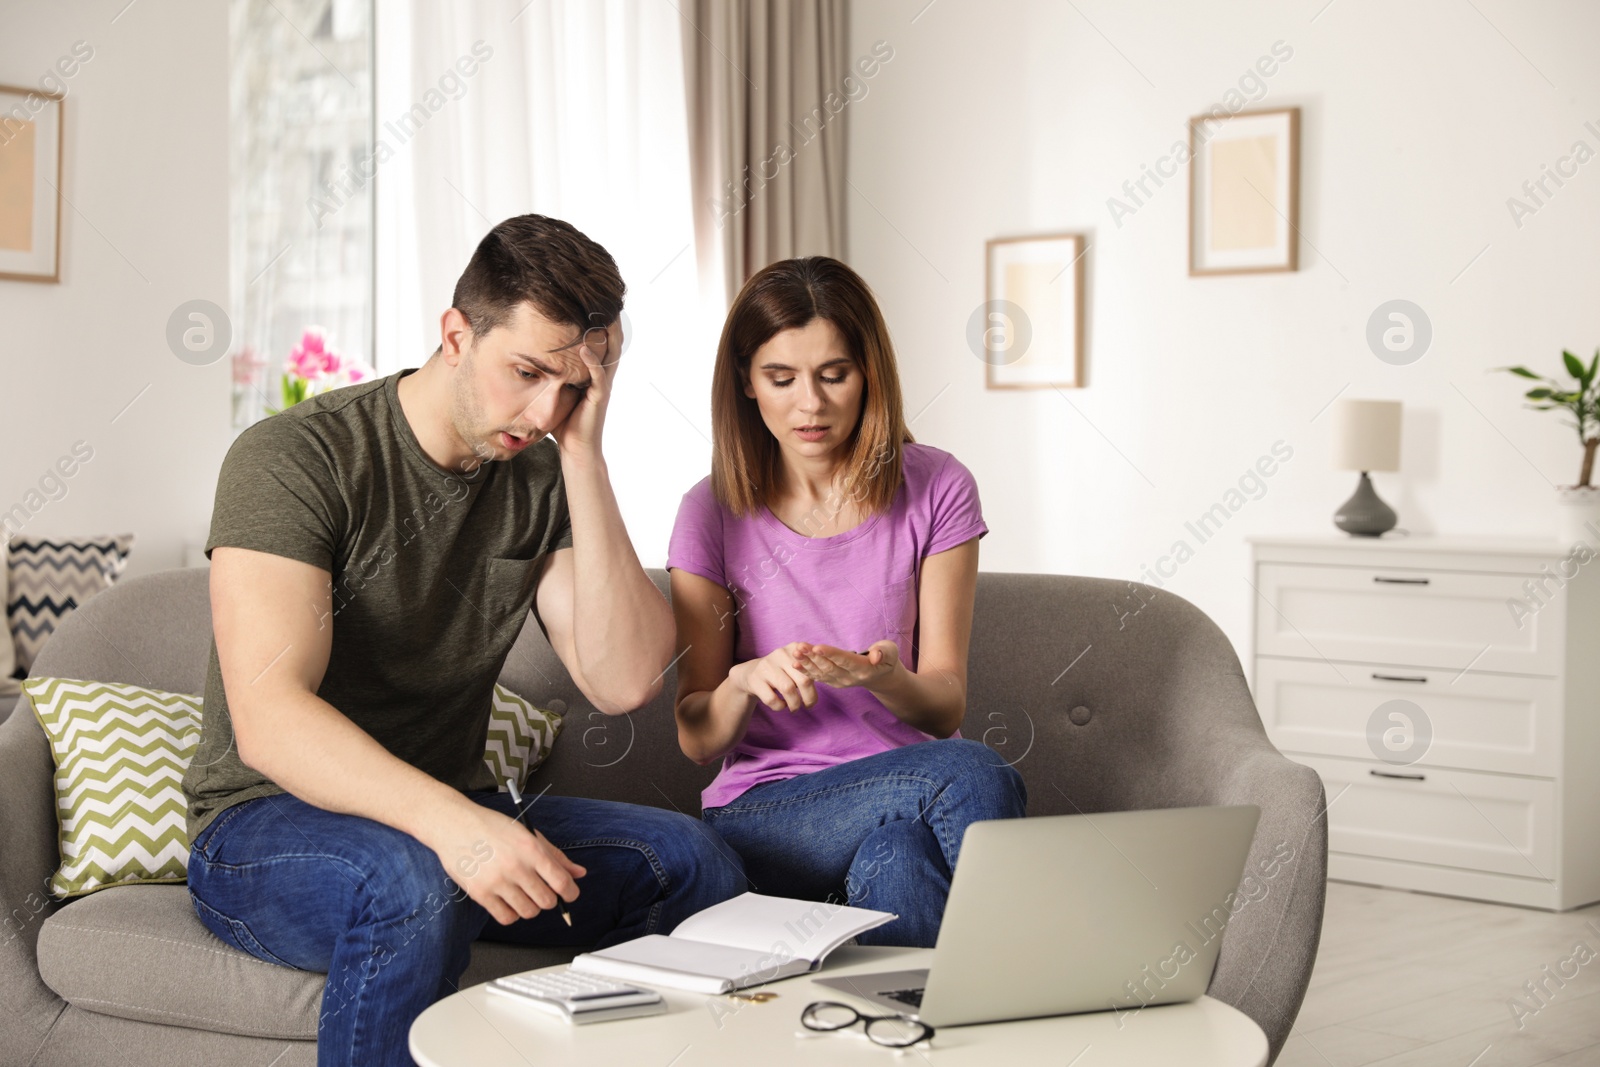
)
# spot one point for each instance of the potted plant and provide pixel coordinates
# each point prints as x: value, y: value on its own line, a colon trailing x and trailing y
x: 1580, y: 503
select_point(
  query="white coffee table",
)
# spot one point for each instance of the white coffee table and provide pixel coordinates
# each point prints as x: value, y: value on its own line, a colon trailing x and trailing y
x: 474, y: 1028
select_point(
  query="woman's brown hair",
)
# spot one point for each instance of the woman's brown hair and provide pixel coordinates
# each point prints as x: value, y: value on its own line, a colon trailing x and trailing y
x: 787, y: 295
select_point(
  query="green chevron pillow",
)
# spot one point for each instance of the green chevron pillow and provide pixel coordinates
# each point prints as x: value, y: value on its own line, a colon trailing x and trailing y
x: 120, y: 753
x: 520, y: 737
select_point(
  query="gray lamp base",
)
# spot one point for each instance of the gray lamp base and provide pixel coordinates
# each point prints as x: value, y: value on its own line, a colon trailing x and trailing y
x: 1364, y: 515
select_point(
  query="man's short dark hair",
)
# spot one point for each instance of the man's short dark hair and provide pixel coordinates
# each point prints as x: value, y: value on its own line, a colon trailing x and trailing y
x: 537, y: 260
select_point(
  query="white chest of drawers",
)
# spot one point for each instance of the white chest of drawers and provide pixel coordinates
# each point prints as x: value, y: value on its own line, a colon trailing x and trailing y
x: 1365, y: 647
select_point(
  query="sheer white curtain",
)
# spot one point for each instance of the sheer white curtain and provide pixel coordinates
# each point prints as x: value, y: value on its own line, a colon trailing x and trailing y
x: 574, y: 109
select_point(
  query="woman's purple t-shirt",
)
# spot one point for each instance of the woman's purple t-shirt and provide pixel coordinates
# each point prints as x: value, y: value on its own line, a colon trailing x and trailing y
x: 848, y: 591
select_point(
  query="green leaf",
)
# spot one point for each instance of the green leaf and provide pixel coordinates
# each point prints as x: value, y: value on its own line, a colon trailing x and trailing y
x: 1524, y: 371
x: 1537, y: 394
x: 1574, y: 364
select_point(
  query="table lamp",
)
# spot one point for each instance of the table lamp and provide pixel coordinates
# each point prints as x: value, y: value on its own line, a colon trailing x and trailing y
x: 1366, y: 438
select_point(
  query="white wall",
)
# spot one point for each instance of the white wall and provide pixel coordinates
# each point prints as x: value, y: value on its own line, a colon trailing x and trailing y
x: 146, y: 172
x: 992, y: 119
x: 1419, y: 120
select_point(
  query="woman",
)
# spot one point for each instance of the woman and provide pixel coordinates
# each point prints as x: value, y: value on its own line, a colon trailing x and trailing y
x: 823, y: 580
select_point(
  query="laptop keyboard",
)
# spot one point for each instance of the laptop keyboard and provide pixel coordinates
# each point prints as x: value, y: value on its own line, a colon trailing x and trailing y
x: 913, y: 997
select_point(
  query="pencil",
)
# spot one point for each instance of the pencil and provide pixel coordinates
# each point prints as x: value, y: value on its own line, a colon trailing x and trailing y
x: 516, y: 798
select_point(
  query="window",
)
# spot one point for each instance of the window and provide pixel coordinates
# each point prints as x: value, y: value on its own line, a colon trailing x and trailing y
x: 301, y: 212
x: 574, y: 109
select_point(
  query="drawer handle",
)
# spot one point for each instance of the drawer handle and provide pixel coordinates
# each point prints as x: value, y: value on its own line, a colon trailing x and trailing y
x: 1400, y: 581
x: 1398, y: 678
x: 1393, y: 774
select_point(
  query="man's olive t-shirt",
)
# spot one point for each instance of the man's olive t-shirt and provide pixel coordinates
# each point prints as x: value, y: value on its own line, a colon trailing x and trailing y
x: 433, y: 575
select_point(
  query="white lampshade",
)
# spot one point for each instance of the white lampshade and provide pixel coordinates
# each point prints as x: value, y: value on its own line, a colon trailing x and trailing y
x: 1366, y: 435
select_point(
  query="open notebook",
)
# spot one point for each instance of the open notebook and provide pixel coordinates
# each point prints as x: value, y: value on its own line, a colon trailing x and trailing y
x: 741, y: 942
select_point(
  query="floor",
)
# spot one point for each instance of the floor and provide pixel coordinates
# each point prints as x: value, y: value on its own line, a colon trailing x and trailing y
x: 1412, y: 980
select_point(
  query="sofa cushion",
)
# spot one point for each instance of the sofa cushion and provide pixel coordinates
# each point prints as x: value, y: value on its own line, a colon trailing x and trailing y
x: 140, y: 952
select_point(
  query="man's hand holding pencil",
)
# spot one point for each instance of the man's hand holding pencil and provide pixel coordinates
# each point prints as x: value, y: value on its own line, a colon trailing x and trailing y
x: 516, y: 798
x: 504, y: 864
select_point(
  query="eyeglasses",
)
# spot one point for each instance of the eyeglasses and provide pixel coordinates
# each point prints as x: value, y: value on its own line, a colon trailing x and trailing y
x: 892, y: 1031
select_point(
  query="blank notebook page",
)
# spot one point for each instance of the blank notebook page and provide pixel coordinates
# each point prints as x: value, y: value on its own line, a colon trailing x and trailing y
x: 759, y: 923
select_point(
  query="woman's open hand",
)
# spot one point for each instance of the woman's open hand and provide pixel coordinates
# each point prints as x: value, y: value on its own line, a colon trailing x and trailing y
x: 842, y: 668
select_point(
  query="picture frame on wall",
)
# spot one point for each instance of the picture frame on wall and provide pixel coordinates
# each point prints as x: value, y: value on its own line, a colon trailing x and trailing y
x: 30, y: 184
x: 1029, y: 332
x: 1244, y: 192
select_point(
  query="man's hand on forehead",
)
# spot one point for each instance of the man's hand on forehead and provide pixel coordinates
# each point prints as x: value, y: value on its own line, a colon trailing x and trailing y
x: 604, y: 342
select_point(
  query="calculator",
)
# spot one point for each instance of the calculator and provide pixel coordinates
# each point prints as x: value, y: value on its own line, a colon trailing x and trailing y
x: 579, y: 998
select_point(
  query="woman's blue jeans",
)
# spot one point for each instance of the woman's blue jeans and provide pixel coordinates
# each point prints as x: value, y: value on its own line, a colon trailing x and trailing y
x: 295, y: 885
x: 881, y: 832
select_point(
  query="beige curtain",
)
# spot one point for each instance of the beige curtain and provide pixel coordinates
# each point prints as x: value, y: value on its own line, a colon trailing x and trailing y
x: 767, y: 108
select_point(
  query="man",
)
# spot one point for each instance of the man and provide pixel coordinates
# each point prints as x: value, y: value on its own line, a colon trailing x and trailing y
x: 375, y: 552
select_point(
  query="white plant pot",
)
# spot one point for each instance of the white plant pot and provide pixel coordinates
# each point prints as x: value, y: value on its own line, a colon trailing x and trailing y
x: 1579, y: 515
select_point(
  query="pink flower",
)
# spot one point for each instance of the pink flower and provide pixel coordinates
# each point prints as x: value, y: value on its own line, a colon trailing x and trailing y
x: 322, y: 366
x: 311, y: 358
x: 247, y: 366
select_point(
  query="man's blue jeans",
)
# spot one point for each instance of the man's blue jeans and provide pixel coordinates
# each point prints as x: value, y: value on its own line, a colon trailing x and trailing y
x: 295, y: 885
x: 881, y: 832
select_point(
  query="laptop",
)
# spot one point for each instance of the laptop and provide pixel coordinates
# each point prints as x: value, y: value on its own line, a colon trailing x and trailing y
x: 1060, y: 914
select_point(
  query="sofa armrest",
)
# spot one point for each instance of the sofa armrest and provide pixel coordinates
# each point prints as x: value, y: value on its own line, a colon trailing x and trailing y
x: 1210, y: 748
x: 1271, y: 942
x: 28, y: 856
x: 1218, y: 753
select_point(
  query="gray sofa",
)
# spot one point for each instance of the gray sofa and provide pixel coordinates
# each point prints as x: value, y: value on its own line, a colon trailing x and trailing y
x: 1099, y: 708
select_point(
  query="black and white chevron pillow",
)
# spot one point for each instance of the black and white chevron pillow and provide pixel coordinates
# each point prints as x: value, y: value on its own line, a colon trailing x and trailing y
x: 48, y: 579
